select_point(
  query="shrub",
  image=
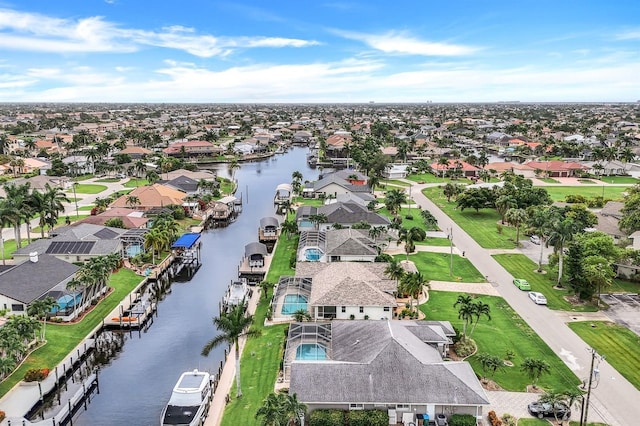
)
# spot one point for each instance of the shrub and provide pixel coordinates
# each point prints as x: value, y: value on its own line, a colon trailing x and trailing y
x: 465, y: 347
x: 575, y: 198
x: 499, y: 228
x: 462, y: 420
x: 368, y: 418
x: 326, y: 418
x: 509, y: 420
x: 494, y: 420
x: 36, y: 374
x: 409, y: 217
x: 2, y: 415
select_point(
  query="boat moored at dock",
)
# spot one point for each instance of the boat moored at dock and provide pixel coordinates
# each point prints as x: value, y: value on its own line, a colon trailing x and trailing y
x: 190, y: 400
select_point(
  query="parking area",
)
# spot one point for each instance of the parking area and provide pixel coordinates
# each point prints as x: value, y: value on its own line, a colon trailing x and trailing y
x: 532, y: 251
x: 624, y: 309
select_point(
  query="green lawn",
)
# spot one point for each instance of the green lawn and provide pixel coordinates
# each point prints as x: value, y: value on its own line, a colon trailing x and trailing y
x: 393, y: 182
x: 620, y: 345
x: 435, y: 266
x: 548, y: 180
x: 108, y: 180
x: 587, y: 181
x: 88, y: 188
x: 261, y: 356
x: 63, y: 338
x: 623, y: 286
x: 434, y: 241
x: 227, y: 186
x: 316, y: 202
x: 431, y: 178
x: 506, y: 331
x: 86, y: 208
x: 62, y: 221
x: 403, y: 213
x: 520, y: 266
x: 532, y: 421
x: 9, y: 248
x: 481, y: 226
x: 135, y: 182
x: 559, y: 193
x: 621, y: 179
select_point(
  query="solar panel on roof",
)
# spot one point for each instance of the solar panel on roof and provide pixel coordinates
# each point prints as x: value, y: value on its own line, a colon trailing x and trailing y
x: 70, y: 247
x: 106, y: 234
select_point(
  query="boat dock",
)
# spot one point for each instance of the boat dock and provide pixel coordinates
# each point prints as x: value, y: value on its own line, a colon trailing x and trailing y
x: 238, y: 293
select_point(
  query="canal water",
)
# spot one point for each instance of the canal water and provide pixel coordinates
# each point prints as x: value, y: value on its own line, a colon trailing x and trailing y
x: 137, y: 383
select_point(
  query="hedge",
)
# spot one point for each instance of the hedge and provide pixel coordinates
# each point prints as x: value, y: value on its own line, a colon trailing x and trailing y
x: 462, y: 420
x: 327, y: 418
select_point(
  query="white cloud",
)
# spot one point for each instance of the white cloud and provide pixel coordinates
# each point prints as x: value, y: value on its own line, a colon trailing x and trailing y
x: 399, y: 43
x: 629, y: 35
x: 40, y: 33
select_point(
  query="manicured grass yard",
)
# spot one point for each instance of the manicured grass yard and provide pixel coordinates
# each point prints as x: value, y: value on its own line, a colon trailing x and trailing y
x: 587, y: 181
x: 621, y: 286
x: 435, y: 266
x: 506, y: 331
x: 393, y: 182
x: 481, y: 226
x: 532, y: 421
x: 621, y: 179
x: 86, y: 208
x: 431, y: 178
x: 520, y: 266
x: 620, y: 345
x: 548, y: 180
x: 9, y: 248
x: 62, y: 338
x: 559, y: 193
x: 135, y: 182
x: 88, y: 188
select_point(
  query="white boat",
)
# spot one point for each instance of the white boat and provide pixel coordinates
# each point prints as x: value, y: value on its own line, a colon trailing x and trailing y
x: 237, y: 294
x: 190, y: 400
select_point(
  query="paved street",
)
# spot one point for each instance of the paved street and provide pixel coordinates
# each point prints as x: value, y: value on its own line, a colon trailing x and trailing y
x: 614, y: 400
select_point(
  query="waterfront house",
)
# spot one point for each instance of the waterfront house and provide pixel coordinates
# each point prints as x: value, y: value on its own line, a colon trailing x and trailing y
x: 339, y: 214
x: 131, y: 218
x: 455, y: 167
x: 336, y: 290
x: 334, y: 185
x: 151, y: 196
x: 18, y: 288
x: 336, y: 245
x: 395, y: 366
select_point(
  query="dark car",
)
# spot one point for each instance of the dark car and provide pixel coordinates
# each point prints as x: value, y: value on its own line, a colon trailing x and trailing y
x: 543, y: 409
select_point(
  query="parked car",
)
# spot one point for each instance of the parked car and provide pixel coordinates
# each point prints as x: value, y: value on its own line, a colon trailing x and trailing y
x: 521, y: 284
x: 535, y: 239
x: 538, y: 298
x: 543, y: 409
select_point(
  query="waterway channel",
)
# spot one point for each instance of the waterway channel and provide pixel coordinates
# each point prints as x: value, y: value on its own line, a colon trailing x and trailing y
x: 137, y: 383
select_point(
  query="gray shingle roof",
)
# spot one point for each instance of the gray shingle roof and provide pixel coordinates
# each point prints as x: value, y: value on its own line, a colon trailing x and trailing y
x: 349, y: 242
x: 384, y: 362
x: 30, y: 280
x: 350, y: 213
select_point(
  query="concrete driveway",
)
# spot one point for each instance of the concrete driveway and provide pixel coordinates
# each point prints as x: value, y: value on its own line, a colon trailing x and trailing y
x: 624, y: 309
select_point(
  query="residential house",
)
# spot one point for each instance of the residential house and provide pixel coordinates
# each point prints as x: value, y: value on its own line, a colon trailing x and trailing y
x: 192, y: 149
x: 395, y: 366
x: 332, y: 186
x: 608, y: 219
x: 151, y: 196
x: 339, y: 214
x: 131, y: 218
x: 336, y: 245
x: 396, y: 171
x: 459, y: 167
x: 182, y: 183
x: 76, y: 243
x: 556, y: 168
x: 135, y: 152
x: 79, y: 165
x: 18, y: 288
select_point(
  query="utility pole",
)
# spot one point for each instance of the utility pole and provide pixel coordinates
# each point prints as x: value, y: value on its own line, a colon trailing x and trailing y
x: 75, y: 199
x: 585, y: 404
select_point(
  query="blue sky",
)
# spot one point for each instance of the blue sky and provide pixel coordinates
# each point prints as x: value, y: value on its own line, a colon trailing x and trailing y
x: 319, y: 51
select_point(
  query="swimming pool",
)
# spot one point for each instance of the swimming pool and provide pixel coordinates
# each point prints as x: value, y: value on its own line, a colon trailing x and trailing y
x: 292, y: 303
x: 311, y: 352
x: 312, y: 254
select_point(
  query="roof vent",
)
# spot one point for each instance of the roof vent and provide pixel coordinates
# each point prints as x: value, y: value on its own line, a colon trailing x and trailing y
x: 33, y: 256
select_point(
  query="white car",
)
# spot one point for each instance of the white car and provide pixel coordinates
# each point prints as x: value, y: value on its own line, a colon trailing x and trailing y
x: 535, y: 239
x: 538, y: 298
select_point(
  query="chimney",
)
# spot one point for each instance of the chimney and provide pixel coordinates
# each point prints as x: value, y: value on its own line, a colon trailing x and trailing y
x: 33, y: 256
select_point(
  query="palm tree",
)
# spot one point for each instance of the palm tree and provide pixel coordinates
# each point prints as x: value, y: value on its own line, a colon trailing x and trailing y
x: 516, y: 217
x: 40, y: 309
x: 394, y: 199
x: 16, y: 199
x: 7, y: 365
x: 5, y: 220
x: 465, y: 311
x: 413, y: 284
x: 155, y: 240
x: 479, y: 309
x: 534, y: 368
x: 293, y: 409
x: 47, y: 205
x: 140, y: 167
x: 272, y: 411
x: 152, y: 176
x: 444, y: 162
x: 409, y: 236
x: 132, y: 201
x: 560, y: 233
x: 317, y: 219
x: 503, y: 204
x: 289, y: 227
x: 394, y: 271
x: 301, y: 315
x: 232, y: 325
